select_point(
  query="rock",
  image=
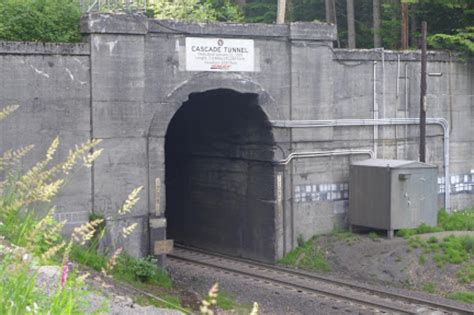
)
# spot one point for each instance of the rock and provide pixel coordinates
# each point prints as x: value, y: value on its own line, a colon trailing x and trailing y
x: 48, y: 278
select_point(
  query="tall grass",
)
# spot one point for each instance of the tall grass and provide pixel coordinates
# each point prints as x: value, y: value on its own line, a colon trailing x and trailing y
x: 29, y: 238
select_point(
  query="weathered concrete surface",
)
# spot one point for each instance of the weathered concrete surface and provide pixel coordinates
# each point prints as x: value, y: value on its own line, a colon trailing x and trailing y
x: 128, y: 82
x: 51, y: 84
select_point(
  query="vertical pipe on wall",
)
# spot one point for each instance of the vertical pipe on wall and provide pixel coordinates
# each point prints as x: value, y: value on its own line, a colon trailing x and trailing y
x: 398, y: 76
x: 423, y: 95
x: 406, y: 108
x: 375, y: 108
x: 383, y: 98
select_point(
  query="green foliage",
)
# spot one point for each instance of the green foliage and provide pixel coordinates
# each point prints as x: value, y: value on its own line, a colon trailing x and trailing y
x: 24, y: 226
x: 88, y: 257
x: 452, y: 249
x: 467, y: 297
x: 196, y: 10
x: 422, y: 259
x: 70, y: 299
x: 18, y: 294
x: 260, y: 11
x: 374, y: 236
x: 129, y: 269
x: 429, y: 287
x: 40, y: 20
x: 462, y: 41
x: 300, y: 240
x: 17, y: 291
x: 457, y: 221
x: 344, y: 235
x: 145, y: 270
x: 421, y: 229
x: 306, y: 256
x: 466, y: 273
x: 172, y: 302
x: 225, y: 301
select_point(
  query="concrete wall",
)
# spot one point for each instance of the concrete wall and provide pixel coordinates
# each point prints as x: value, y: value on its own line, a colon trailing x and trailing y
x: 320, y: 185
x: 51, y: 83
x: 125, y: 84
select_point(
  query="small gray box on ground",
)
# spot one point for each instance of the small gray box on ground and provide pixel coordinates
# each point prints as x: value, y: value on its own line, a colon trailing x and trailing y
x: 392, y: 194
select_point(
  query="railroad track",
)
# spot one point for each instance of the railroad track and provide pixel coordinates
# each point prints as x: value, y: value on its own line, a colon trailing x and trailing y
x: 351, y: 296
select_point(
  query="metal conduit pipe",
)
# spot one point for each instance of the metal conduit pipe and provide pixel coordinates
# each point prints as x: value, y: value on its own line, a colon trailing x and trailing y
x: 380, y: 122
x: 299, y: 155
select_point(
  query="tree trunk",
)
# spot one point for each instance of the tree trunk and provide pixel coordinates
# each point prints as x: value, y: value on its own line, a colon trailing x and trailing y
x: 330, y: 11
x: 241, y: 3
x: 351, y: 32
x: 404, y: 24
x: 281, y: 9
x: 377, y: 24
x: 414, y: 41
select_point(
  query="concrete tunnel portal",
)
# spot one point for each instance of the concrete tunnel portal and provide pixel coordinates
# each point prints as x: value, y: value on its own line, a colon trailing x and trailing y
x: 219, y: 175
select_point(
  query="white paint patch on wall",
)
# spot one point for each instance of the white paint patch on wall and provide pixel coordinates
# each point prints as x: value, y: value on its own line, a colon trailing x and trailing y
x: 463, y: 183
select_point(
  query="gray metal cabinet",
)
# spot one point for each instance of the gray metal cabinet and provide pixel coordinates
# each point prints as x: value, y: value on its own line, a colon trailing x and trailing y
x: 392, y: 194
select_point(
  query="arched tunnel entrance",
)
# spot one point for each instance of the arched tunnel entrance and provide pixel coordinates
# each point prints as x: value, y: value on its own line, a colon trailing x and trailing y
x: 219, y: 176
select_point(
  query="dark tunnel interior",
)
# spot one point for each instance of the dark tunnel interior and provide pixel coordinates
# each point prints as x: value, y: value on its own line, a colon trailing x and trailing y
x: 219, y: 175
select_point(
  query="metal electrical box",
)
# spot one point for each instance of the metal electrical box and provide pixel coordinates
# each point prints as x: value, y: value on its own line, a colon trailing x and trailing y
x: 392, y: 194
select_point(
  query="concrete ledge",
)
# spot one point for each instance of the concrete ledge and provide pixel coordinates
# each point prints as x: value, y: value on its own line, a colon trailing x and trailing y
x: 114, y: 23
x: 217, y: 28
x: 35, y: 48
x: 391, y: 55
x: 313, y: 31
x: 298, y: 31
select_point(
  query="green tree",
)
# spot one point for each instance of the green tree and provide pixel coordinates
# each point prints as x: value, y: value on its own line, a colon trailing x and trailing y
x: 40, y: 20
x: 462, y: 40
x: 260, y: 11
x: 196, y: 10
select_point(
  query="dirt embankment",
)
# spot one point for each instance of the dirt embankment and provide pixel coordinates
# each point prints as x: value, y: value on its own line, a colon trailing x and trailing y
x: 393, y: 262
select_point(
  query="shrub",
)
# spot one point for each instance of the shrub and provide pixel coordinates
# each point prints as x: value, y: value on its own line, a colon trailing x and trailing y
x: 460, y: 220
x: 144, y: 270
x: 307, y: 256
x: 40, y: 20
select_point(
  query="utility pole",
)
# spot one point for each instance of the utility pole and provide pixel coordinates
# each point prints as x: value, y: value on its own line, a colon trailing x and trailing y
x: 423, y: 94
x: 281, y: 9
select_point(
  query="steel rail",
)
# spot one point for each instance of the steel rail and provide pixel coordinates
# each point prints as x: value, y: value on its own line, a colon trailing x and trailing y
x: 380, y: 293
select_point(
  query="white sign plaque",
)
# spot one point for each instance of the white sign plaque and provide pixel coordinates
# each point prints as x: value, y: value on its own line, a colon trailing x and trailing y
x: 220, y: 54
